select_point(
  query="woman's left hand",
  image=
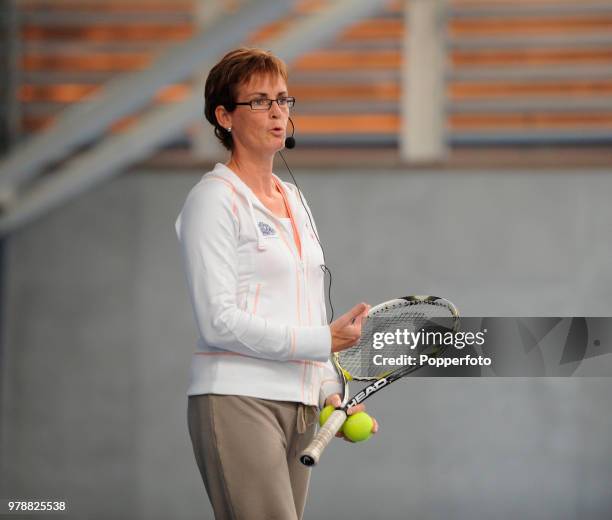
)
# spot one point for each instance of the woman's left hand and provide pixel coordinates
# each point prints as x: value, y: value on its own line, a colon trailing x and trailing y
x: 336, y: 401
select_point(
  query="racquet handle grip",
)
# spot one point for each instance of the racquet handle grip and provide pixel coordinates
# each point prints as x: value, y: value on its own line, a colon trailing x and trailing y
x: 310, y: 456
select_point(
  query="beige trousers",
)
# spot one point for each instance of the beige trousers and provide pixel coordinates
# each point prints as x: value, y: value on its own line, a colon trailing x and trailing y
x: 247, y: 452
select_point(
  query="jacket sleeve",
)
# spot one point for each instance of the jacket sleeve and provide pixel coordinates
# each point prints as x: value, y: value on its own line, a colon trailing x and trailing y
x: 207, y: 229
x: 331, y: 383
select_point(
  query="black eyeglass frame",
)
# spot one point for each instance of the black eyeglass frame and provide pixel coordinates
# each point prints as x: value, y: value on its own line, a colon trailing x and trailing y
x: 289, y: 103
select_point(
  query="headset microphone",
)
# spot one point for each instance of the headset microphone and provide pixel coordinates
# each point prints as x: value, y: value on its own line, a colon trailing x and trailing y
x: 290, y: 141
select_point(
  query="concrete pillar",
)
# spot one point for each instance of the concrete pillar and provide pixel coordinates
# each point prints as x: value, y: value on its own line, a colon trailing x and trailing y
x: 10, y: 117
x: 204, y: 145
x: 422, y: 133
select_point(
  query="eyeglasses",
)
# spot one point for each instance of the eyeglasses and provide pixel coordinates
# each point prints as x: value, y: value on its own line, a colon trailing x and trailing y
x: 266, y: 104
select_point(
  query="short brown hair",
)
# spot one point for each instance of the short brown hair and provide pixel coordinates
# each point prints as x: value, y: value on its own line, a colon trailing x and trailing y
x: 235, y: 68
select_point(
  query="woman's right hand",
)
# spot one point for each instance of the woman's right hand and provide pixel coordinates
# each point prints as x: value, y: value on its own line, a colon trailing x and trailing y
x: 346, y: 330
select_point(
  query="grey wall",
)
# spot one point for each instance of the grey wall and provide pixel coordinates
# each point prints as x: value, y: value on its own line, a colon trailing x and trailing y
x: 99, y: 333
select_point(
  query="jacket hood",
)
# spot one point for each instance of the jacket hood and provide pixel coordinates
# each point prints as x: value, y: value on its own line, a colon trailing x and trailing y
x: 221, y: 170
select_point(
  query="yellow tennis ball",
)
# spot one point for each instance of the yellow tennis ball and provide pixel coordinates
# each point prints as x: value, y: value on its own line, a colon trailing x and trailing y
x: 358, y: 427
x: 325, y: 413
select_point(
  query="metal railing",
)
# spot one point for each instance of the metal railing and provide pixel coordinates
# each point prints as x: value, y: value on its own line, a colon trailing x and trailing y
x: 110, y: 157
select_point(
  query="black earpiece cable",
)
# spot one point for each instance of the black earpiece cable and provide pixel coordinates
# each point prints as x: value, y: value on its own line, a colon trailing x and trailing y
x: 324, y: 267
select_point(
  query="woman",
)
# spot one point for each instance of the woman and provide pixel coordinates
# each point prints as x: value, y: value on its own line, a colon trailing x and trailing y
x: 253, y: 268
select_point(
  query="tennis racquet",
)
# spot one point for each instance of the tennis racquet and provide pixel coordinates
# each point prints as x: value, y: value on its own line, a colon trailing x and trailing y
x: 429, y: 315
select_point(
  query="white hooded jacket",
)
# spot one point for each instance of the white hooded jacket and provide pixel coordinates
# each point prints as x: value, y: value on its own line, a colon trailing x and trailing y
x: 257, y: 292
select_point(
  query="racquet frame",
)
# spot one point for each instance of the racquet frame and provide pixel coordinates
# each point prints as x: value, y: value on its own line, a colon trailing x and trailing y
x: 311, y: 455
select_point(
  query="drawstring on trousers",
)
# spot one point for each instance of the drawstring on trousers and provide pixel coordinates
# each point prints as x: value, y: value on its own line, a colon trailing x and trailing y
x: 306, y: 416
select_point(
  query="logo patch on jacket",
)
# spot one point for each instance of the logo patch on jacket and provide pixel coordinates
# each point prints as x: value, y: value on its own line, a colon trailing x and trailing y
x: 266, y: 229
